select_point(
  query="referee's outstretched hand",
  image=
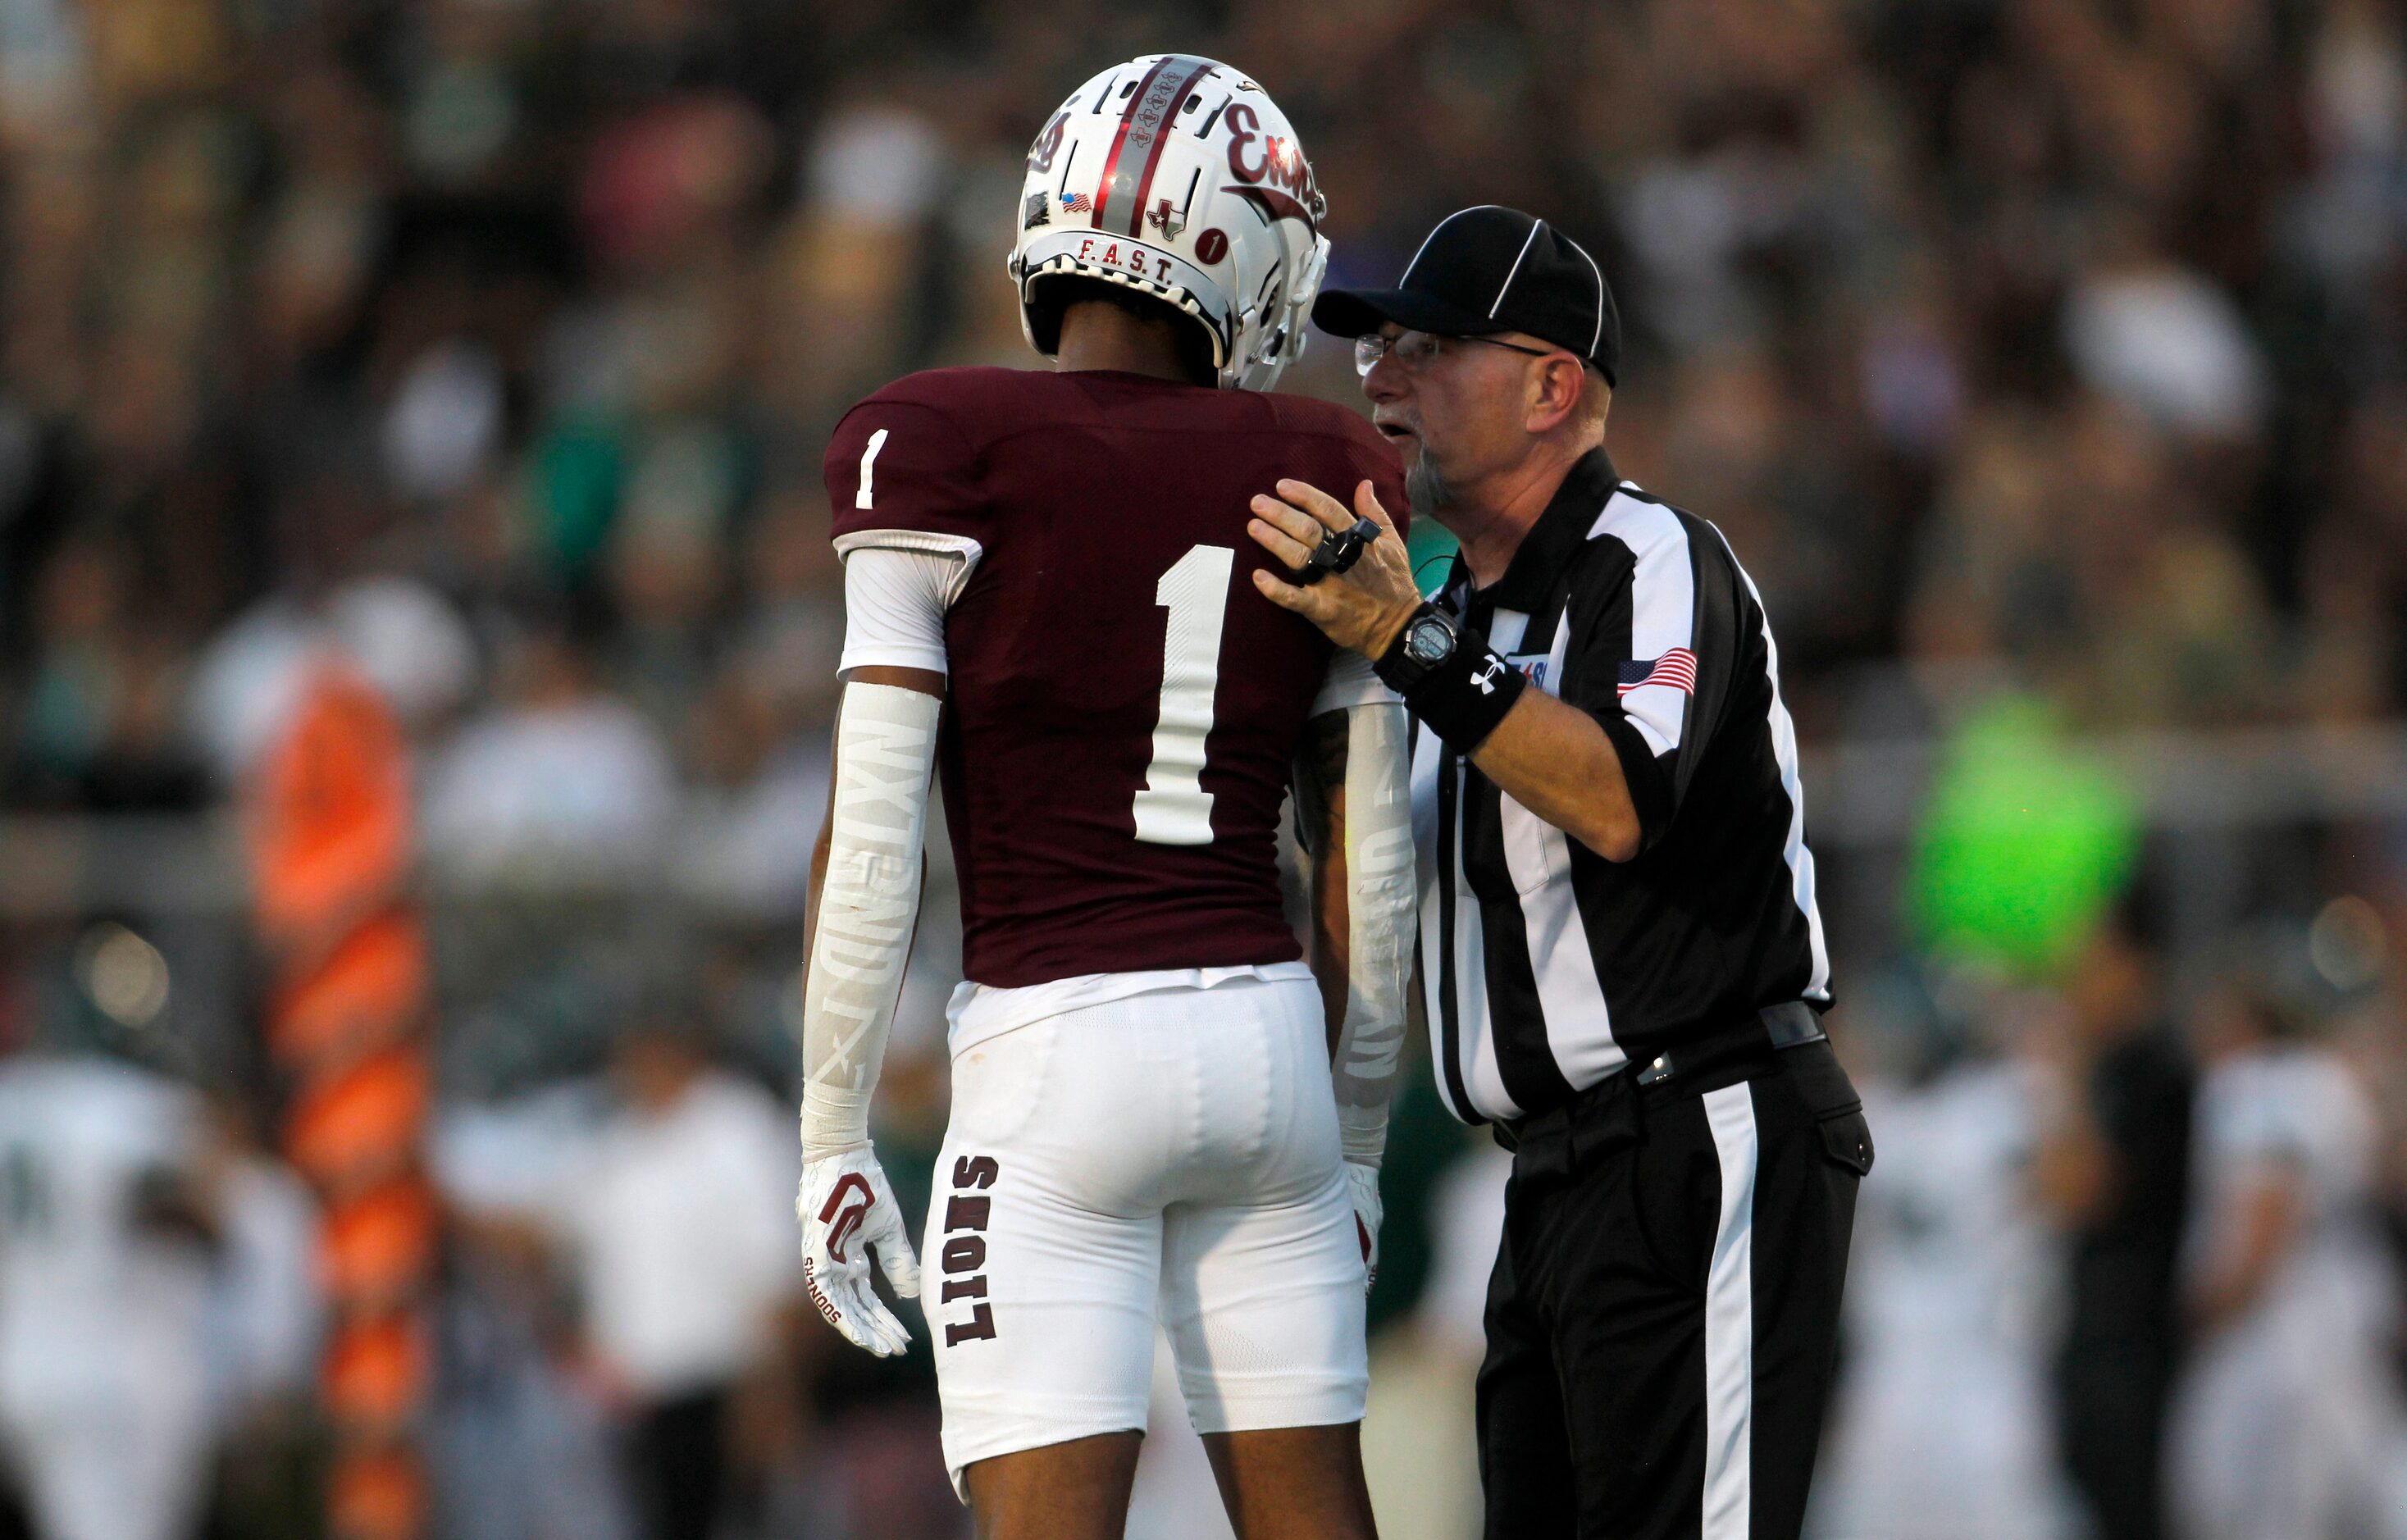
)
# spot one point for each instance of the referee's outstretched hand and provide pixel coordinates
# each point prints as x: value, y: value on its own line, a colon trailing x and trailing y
x: 1362, y: 608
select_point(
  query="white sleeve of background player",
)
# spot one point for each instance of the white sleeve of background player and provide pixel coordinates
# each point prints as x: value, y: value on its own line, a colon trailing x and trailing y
x: 884, y: 750
x: 1349, y: 682
x: 897, y: 586
x: 1381, y: 901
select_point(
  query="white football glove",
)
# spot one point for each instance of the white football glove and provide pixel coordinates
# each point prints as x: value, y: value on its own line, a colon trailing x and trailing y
x: 1363, y: 1188
x: 847, y: 1208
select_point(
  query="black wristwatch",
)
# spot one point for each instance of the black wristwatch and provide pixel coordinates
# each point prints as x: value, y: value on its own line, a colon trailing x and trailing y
x: 1450, y: 678
x: 1425, y: 645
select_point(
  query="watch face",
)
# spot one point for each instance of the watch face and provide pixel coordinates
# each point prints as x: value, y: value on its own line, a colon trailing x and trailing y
x: 1429, y: 641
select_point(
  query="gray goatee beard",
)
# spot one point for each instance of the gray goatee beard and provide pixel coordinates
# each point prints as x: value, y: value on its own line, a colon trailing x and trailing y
x: 1425, y: 486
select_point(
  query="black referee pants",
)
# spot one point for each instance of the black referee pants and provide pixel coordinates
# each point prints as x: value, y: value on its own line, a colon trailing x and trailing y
x: 1664, y: 1313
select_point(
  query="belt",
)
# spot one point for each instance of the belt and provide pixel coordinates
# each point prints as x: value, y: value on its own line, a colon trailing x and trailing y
x: 1607, y: 1112
x: 1792, y: 1024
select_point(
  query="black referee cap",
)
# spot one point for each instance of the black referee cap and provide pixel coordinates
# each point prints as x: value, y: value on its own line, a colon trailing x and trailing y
x: 1486, y: 270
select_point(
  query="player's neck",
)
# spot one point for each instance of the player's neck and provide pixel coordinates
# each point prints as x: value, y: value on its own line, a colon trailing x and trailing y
x: 1105, y: 337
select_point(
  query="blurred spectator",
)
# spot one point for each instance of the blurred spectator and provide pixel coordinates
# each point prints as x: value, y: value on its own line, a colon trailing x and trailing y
x: 98, y: 727
x: 1939, y: 1427
x: 108, y: 1240
x: 2288, y: 1421
x: 2113, y: 1167
x: 2167, y: 343
x: 265, y: 1320
x: 562, y: 778
x: 662, y: 1203
x: 396, y: 631
x: 688, y: 1260
x: 522, y: 1445
x: 266, y: 1311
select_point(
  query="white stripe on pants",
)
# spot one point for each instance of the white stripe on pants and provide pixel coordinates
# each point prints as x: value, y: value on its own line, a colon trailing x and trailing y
x: 1729, y: 1317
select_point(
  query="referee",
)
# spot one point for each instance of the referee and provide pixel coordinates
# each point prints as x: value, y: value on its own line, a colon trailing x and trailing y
x: 1619, y: 949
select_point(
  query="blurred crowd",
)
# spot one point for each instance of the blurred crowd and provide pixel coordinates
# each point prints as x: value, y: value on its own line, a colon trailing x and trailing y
x: 2057, y: 346
x: 2132, y: 1264
x: 499, y: 338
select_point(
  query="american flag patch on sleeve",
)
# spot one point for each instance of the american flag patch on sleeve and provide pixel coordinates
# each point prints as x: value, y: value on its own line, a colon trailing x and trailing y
x: 1676, y: 668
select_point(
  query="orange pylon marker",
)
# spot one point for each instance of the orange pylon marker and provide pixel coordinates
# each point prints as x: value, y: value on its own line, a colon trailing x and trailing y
x: 330, y: 835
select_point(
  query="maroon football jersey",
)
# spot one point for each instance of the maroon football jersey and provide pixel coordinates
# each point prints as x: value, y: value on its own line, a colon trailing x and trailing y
x: 1124, y: 709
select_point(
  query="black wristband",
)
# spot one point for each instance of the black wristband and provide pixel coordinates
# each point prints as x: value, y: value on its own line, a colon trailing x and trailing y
x: 1463, y: 698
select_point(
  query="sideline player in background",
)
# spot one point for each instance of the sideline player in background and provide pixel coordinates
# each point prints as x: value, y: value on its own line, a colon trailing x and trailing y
x: 1051, y: 600
x: 109, y: 1243
x: 2285, y: 1422
x: 1941, y: 1422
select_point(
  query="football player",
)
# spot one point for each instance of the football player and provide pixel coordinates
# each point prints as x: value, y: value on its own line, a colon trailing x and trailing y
x: 110, y: 1236
x: 1051, y: 606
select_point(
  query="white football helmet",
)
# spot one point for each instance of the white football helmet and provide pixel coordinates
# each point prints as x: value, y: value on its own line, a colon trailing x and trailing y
x: 1177, y: 177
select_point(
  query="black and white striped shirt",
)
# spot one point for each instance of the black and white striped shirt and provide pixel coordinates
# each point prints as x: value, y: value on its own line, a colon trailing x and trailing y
x: 1545, y: 967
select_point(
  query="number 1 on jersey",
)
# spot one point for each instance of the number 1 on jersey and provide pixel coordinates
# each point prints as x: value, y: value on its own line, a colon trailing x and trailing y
x: 868, y: 468
x: 1174, y: 808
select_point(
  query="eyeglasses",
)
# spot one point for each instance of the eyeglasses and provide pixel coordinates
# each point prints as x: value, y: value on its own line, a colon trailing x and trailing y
x: 1416, y: 350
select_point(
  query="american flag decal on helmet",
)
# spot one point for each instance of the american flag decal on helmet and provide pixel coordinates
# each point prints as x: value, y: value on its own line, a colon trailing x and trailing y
x: 1676, y: 668
x: 1077, y: 203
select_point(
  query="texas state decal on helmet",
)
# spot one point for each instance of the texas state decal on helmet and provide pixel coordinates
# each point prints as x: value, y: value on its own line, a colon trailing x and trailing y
x: 1177, y: 177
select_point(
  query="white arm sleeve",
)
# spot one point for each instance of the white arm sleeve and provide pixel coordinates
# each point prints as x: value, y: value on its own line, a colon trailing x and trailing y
x: 1349, y: 682
x: 1381, y: 900
x: 884, y: 750
x: 897, y: 586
